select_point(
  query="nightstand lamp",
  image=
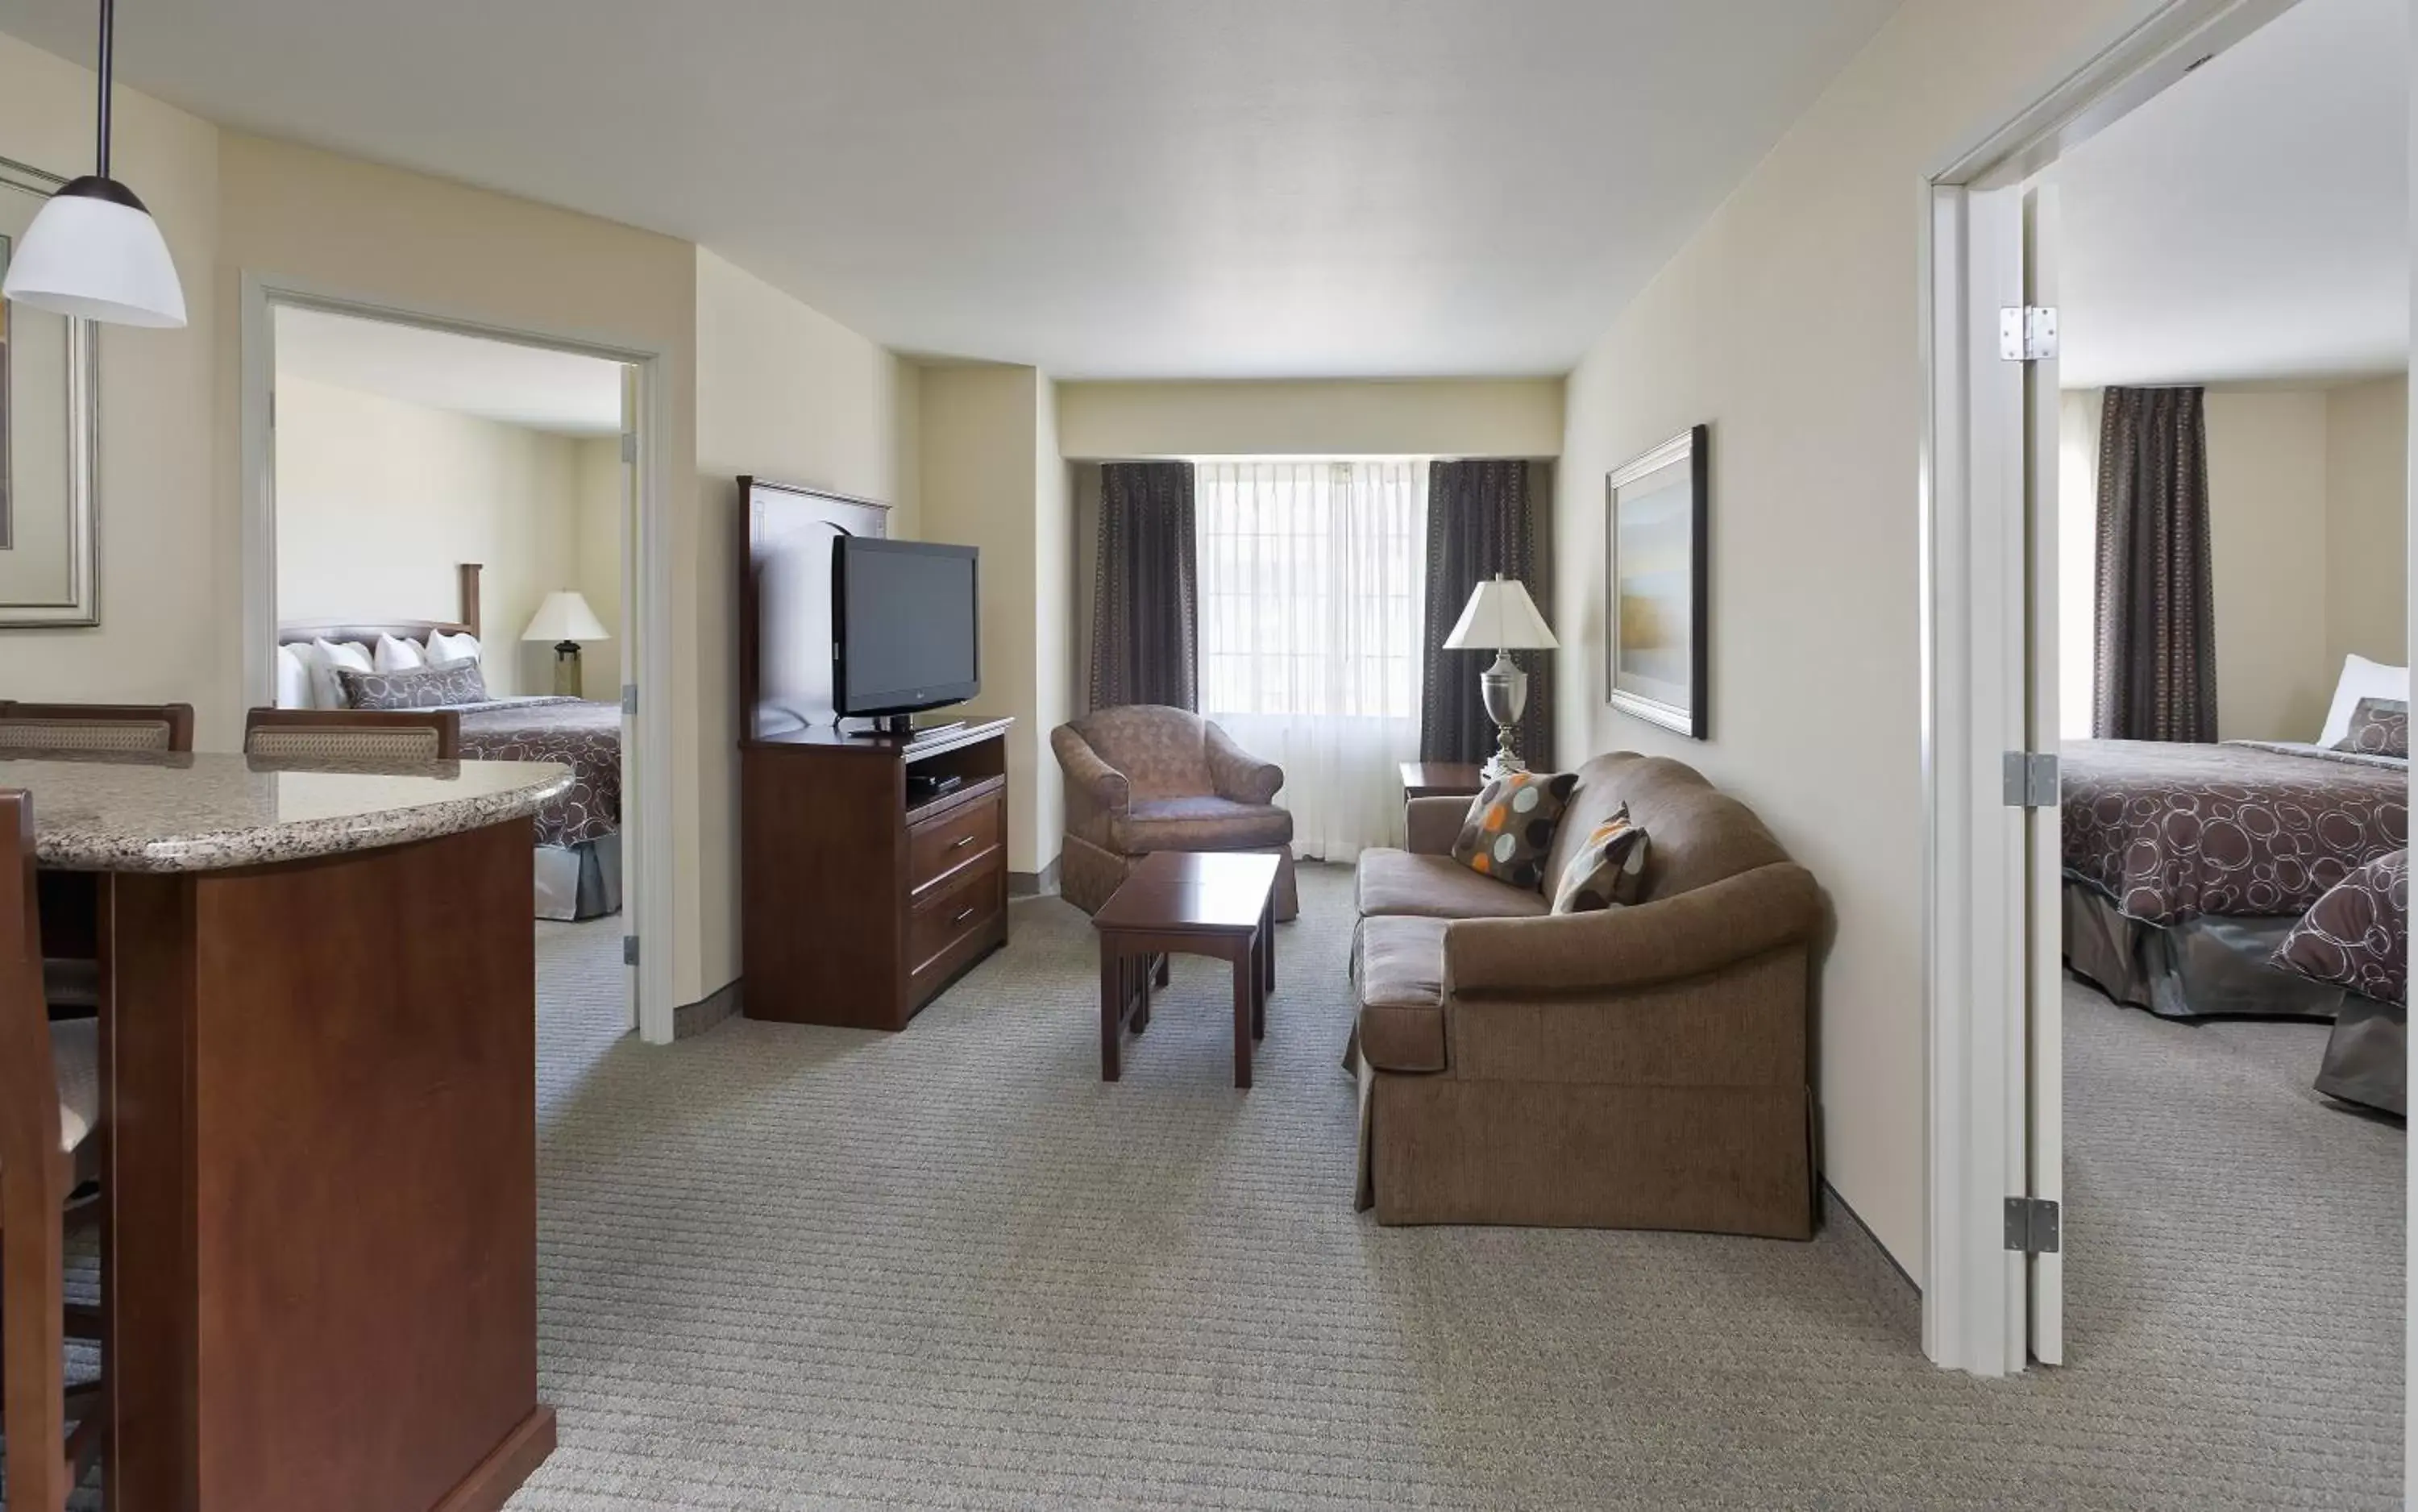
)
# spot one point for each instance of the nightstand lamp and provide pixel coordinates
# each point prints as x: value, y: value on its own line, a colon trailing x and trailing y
x: 1502, y: 616
x: 565, y: 619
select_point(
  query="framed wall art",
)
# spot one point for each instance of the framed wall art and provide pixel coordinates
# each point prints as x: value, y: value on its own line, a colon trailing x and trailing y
x: 50, y: 526
x: 1657, y: 593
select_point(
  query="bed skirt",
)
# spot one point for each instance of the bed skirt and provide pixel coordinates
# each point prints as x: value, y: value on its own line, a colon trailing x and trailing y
x: 581, y: 882
x: 2202, y: 968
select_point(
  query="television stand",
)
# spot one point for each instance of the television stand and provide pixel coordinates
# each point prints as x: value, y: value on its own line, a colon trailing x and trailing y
x: 873, y: 869
x: 903, y: 728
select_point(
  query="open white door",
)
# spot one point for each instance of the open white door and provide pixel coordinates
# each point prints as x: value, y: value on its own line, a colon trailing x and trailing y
x: 633, y: 835
x: 2044, y: 971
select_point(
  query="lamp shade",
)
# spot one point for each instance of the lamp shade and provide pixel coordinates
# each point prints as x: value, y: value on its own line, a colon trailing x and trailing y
x: 565, y: 615
x: 95, y: 253
x: 1501, y: 618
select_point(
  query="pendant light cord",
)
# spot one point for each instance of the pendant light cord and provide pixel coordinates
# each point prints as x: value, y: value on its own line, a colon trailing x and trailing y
x: 107, y: 33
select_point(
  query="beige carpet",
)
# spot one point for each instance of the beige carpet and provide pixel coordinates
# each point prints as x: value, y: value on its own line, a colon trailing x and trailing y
x: 949, y: 1268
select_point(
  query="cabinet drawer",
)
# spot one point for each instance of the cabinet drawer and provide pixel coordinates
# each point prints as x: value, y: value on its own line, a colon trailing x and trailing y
x: 941, y: 845
x: 964, y: 905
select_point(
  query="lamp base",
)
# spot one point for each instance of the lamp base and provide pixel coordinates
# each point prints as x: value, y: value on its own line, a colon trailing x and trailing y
x: 1504, y: 689
x: 568, y: 680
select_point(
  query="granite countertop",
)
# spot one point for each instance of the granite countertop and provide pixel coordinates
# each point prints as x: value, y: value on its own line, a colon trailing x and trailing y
x: 184, y: 813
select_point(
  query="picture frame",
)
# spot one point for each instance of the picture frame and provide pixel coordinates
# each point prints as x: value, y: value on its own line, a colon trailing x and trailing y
x: 1657, y: 585
x: 49, y: 446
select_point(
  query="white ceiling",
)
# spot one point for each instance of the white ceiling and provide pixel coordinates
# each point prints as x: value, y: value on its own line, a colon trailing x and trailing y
x: 1106, y: 187
x: 2252, y: 224
x: 557, y: 392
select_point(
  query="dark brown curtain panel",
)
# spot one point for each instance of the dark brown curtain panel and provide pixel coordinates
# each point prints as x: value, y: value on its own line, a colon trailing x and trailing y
x: 1146, y: 610
x: 2155, y: 677
x: 1481, y: 520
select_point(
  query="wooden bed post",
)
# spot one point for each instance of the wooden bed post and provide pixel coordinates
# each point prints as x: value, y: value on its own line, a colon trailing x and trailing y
x: 470, y: 571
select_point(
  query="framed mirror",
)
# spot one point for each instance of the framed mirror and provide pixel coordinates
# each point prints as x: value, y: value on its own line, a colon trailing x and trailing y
x: 50, y: 404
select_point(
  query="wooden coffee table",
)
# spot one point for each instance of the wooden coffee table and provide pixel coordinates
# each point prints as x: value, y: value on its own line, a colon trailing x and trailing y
x: 1219, y: 904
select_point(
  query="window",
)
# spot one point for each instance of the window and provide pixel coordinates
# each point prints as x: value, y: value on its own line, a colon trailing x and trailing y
x: 1312, y: 581
x: 1311, y: 586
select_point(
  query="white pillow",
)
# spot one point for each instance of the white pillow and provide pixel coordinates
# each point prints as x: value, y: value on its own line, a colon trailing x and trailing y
x: 394, y: 655
x: 326, y: 657
x: 445, y: 647
x: 294, y: 677
x: 2361, y: 678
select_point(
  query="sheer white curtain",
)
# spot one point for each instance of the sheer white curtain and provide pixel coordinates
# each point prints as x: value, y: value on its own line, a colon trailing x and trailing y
x: 1310, y: 601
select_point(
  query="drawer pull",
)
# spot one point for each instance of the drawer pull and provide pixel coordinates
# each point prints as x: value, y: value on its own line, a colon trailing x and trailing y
x: 963, y: 914
x: 962, y: 841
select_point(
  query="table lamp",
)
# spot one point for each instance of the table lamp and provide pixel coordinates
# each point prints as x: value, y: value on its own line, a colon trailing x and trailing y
x: 565, y: 619
x: 1500, y: 614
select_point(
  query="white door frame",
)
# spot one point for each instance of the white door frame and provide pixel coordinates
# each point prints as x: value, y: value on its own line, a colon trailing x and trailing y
x: 647, y: 849
x: 1976, y: 630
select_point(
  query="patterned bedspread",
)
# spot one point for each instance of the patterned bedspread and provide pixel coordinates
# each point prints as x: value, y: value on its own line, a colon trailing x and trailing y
x: 2241, y: 829
x: 586, y: 737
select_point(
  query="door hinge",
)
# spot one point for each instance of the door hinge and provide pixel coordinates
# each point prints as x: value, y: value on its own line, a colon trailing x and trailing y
x: 629, y: 446
x: 2031, y: 779
x: 2032, y: 1226
x: 2027, y: 333
x: 629, y: 950
x: 628, y: 698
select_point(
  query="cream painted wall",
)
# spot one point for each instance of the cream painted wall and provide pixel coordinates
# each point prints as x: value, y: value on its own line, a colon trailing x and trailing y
x: 600, y: 489
x: 1485, y: 417
x: 1790, y: 324
x: 985, y: 440
x: 782, y: 392
x: 2267, y: 532
x: 1053, y: 601
x: 378, y: 501
x: 163, y: 598
x: 2367, y: 521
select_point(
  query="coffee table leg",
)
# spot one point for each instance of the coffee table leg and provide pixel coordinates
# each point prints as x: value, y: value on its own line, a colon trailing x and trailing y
x: 1269, y: 944
x: 1112, y: 1009
x: 1246, y: 975
x: 1137, y: 978
x: 1166, y: 965
x: 1259, y: 984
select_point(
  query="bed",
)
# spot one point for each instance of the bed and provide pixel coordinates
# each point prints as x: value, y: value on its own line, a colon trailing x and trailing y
x: 2188, y: 867
x: 578, y: 835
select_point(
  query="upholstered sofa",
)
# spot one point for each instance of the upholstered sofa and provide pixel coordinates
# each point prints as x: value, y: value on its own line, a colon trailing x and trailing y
x: 1146, y: 777
x: 1643, y: 1068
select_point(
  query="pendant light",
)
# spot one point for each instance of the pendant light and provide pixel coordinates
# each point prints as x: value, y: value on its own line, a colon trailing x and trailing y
x: 94, y: 250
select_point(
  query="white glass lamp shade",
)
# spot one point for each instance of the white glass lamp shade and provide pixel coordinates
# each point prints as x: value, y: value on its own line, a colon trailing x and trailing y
x: 1501, y: 618
x: 95, y: 253
x: 565, y: 615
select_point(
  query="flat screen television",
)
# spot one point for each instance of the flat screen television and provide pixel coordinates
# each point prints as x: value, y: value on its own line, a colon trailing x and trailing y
x: 904, y: 627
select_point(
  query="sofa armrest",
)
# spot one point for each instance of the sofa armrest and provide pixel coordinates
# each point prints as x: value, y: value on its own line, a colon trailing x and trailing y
x: 1433, y: 824
x: 1087, y: 775
x: 1239, y: 777
x: 1719, y: 925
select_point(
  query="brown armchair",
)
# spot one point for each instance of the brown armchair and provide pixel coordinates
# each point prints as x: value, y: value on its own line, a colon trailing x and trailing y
x: 1146, y: 777
x: 1645, y: 1067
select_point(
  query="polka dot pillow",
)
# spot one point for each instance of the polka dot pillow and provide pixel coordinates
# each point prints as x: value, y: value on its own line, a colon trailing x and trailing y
x: 1511, y: 826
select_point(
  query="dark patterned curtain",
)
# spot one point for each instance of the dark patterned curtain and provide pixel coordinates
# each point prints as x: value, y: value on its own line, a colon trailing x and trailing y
x: 1145, y: 611
x: 1481, y: 520
x: 2155, y: 674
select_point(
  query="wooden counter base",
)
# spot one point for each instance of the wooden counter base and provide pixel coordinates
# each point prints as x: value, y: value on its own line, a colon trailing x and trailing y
x: 322, y: 1168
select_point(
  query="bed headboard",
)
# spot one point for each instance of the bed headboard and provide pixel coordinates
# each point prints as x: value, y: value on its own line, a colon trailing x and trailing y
x: 295, y: 632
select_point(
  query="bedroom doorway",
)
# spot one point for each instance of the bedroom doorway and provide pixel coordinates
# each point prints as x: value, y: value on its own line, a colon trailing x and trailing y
x: 430, y: 496
x: 1996, y: 324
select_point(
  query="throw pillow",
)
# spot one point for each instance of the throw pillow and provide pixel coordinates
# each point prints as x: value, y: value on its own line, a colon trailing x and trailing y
x: 2353, y: 935
x: 1607, y: 871
x: 2379, y: 726
x: 327, y: 657
x: 438, y: 685
x: 1511, y: 826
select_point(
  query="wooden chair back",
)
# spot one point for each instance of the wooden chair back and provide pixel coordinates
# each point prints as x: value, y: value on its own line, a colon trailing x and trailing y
x: 401, y: 736
x: 34, y: 1184
x: 95, y: 726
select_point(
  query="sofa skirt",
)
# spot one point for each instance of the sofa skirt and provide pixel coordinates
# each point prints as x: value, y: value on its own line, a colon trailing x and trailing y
x: 1437, y: 1148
